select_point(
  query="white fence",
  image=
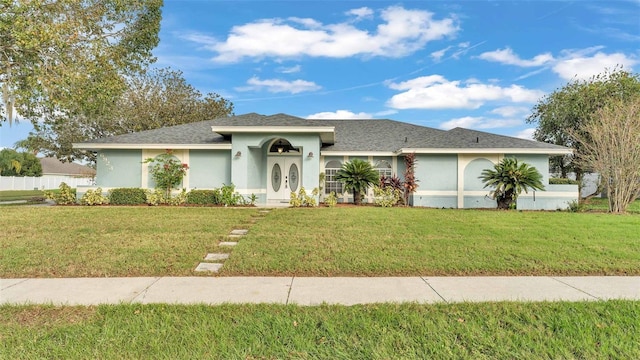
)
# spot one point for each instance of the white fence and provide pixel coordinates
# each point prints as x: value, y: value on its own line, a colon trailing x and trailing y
x: 46, y: 182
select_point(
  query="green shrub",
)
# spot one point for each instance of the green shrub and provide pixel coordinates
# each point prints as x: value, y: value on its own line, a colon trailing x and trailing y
x: 229, y: 196
x: 331, y: 200
x: 65, y: 196
x: 386, y: 197
x: 127, y: 196
x: 302, y: 199
x: 155, y: 197
x: 179, y: 199
x: 94, y: 197
x: 563, y: 181
x: 204, y: 197
x: 576, y: 206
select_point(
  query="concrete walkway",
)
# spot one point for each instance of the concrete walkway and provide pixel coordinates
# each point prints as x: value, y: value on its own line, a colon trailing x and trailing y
x: 314, y: 291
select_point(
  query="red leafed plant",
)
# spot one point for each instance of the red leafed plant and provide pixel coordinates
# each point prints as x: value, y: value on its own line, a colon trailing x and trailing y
x: 410, y: 182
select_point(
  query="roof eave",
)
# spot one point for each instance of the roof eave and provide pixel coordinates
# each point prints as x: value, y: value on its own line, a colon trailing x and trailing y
x: 101, y: 146
x: 566, y: 151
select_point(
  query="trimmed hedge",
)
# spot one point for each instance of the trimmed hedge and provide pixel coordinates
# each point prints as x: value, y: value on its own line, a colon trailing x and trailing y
x: 204, y: 197
x: 562, y: 181
x: 127, y: 196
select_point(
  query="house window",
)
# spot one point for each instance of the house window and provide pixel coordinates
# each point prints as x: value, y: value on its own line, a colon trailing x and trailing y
x: 330, y: 182
x: 383, y: 168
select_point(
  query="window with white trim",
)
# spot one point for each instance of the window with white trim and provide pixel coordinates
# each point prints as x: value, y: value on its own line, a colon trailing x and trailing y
x: 330, y: 182
x: 383, y: 168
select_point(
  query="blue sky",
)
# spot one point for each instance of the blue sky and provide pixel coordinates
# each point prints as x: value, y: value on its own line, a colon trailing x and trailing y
x: 474, y: 64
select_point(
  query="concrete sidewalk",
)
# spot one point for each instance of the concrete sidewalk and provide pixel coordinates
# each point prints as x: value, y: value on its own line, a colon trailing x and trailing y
x: 315, y: 291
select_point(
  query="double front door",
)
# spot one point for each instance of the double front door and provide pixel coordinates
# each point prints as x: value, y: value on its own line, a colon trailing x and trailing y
x: 284, y: 177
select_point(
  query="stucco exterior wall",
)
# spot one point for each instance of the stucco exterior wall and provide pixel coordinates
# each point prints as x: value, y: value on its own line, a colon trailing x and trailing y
x: 209, y: 169
x: 119, y: 168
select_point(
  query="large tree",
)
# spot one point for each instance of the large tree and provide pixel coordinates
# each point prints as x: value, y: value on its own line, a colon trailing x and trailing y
x: 564, y: 112
x: 71, y: 56
x: 154, y: 99
x: 13, y: 163
x: 611, y: 147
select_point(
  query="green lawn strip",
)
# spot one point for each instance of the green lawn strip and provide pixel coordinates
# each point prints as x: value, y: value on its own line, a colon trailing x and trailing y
x: 12, y: 195
x: 559, y: 330
x: 371, y: 241
x: 111, y: 241
x: 600, y: 204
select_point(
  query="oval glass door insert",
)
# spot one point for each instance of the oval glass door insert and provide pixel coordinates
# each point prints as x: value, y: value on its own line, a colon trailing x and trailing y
x: 293, y: 177
x: 276, y: 177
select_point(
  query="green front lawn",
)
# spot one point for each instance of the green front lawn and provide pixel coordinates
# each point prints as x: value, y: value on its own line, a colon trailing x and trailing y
x: 12, y: 195
x: 600, y: 204
x: 74, y: 241
x: 364, y: 241
x: 582, y: 330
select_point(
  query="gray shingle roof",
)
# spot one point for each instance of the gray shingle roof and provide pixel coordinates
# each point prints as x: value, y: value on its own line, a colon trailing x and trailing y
x: 350, y: 135
x: 53, y: 166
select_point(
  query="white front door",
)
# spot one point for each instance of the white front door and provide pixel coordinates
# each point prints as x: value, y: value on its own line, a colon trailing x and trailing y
x: 284, y: 177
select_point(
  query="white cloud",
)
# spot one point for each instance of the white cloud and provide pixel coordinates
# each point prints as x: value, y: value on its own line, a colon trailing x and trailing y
x: 279, y: 86
x: 584, y: 67
x: 471, y: 122
x: 510, y: 111
x: 385, y: 113
x: 507, y: 56
x: 340, y: 114
x: 526, y: 134
x: 437, y: 55
x: 290, y: 70
x: 360, y: 13
x: 436, y: 92
x: 401, y: 32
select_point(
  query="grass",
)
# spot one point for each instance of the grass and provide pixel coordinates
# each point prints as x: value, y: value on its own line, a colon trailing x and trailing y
x: 600, y: 204
x: 582, y: 330
x: 111, y: 241
x: 371, y: 241
x: 365, y: 241
x: 12, y: 195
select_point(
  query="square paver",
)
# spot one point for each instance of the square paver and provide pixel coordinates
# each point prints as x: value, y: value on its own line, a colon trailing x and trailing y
x: 213, y: 267
x: 228, y: 243
x: 216, y: 257
x: 239, y: 232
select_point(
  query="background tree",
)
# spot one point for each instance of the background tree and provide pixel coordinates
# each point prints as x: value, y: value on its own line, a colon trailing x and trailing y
x: 69, y: 56
x: 611, y: 147
x: 564, y: 113
x: 357, y: 175
x: 13, y: 163
x: 154, y: 99
x: 509, y: 179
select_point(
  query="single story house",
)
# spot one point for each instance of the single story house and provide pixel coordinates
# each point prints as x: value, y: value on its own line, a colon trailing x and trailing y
x: 270, y: 156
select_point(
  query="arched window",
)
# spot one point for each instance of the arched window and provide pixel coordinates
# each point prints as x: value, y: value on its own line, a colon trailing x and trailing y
x: 283, y: 146
x: 383, y: 168
x: 330, y: 182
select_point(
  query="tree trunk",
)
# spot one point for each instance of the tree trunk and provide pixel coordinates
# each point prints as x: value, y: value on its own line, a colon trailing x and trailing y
x: 505, y: 200
x: 356, y: 197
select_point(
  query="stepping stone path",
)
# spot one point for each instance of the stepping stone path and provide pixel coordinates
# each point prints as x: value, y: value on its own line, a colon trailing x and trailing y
x: 215, y: 267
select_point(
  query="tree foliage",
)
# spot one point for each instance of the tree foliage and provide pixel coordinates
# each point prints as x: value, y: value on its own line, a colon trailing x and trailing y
x: 611, y: 147
x: 154, y: 99
x: 13, y: 163
x: 71, y: 57
x: 508, y: 179
x: 357, y: 175
x: 563, y: 114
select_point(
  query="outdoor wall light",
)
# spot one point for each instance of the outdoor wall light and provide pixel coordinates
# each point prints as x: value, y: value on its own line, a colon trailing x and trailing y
x: 238, y: 154
x: 310, y: 156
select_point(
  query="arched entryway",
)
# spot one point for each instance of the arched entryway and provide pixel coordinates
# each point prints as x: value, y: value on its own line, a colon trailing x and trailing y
x: 284, y: 170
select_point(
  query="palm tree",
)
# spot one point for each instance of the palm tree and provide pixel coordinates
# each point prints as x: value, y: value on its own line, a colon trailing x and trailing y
x: 357, y: 175
x: 508, y: 179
